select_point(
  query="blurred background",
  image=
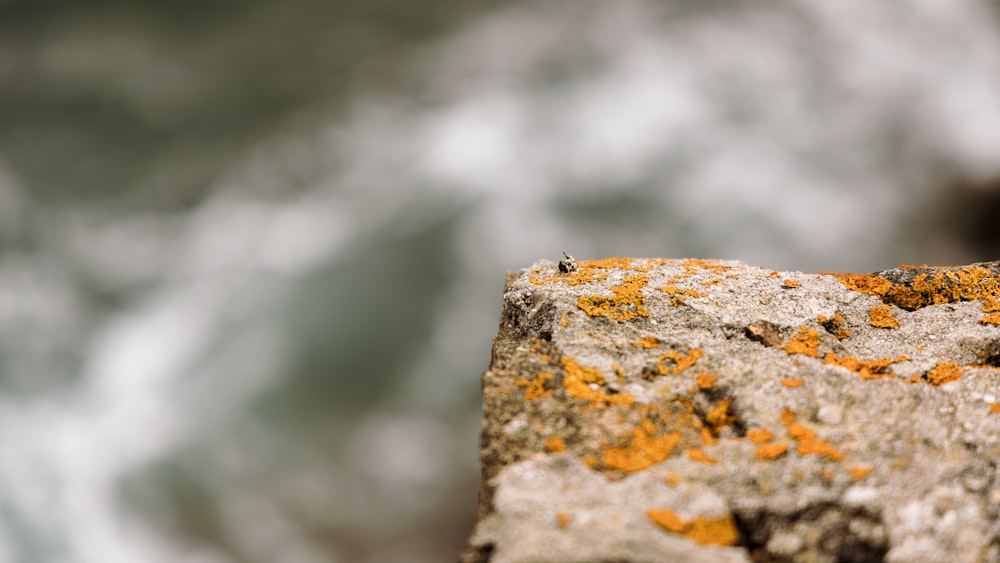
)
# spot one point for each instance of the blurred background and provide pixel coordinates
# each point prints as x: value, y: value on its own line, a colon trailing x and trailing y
x: 252, y: 253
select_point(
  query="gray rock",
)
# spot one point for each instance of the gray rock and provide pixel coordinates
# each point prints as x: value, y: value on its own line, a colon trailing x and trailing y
x: 689, y: 410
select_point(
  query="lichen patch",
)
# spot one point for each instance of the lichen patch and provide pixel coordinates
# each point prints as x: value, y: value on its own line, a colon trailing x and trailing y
x: 881, y: 317
x: 805, y: 342
x: 702, y: 530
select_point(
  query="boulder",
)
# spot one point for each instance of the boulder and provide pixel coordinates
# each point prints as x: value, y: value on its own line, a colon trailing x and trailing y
x: 694, y: 410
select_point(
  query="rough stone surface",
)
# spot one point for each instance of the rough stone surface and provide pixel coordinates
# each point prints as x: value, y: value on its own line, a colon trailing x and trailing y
x: 690, y: 410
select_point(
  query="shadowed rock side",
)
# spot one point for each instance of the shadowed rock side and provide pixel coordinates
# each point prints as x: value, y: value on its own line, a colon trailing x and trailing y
x: 690, y: 410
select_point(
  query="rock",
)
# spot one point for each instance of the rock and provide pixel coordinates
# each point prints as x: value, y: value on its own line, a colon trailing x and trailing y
x: 692, y: 410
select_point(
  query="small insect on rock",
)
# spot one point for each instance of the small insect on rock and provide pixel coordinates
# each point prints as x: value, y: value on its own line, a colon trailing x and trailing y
x: 567, y: 264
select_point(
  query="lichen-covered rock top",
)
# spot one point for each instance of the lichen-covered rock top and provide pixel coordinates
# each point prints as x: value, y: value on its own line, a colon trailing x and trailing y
x: 693, y: 410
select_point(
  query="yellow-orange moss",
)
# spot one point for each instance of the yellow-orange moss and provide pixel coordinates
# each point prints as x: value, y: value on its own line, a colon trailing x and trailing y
x: 881, y: 317
x: 644, y: 449
x: 647, y: 342
x: 681, y: 362
x: 791, y: 382
x: 943, y: 373
x: 706, y: 380
x: 702, y: 530
x: 625, y: 303
x: 535, y: 388
x: 577, y: 384
x: 555, y: 444
x: 771, y: 452
x: 805, y: 342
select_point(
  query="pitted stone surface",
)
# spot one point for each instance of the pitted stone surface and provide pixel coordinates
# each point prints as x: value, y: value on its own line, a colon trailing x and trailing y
x: 692, y: 410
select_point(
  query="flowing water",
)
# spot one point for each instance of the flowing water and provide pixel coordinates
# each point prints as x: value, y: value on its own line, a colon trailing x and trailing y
x: 253, y: 252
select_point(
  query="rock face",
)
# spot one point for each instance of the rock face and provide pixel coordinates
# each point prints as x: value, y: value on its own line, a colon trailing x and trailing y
x: 690, y: 410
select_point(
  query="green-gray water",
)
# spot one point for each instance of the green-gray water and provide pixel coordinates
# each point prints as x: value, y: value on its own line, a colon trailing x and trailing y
x: 253, y: 252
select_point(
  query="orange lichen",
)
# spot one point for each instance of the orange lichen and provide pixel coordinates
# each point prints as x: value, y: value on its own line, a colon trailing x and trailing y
x: 681, y: 362
x: 859, y: 473
x: 791, y: 382
x: 805, y: 342
x: 792, y: 283
x: 692, y: 265
x: 619, y: 372
x: 995, y: 408
x: 808, y: 442
x: 873, y: 285
x: 535, y: 388
x: 713, y: 531
x: 940, y: 285
x: 555, y: 444
x: 706, y: 380
x: 644, y: 449
x: 943, y: 373
x: 667, y: 519
x: 719, y: 417
x: 771, y: 452
x: 581, y: 276
x: 564, y: 321
x: 759, y: 435
x: 881, y: 317
x: 834, y: 325
x: 991, y: 305
x: 993, y: 319
x: 679, y: 294
x: 672, y: 479
x: 563, y: 519
x: 696, y: 454
x: 867, y: 369
x: 702, y: 530
x: 647, y: 342
x: 577, y: 384
x: 625, y: 303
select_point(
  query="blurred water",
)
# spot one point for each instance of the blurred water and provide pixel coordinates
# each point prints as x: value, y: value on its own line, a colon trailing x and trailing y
x: 253, y: 253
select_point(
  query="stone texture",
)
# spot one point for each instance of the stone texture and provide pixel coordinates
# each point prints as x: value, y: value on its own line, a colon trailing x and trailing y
x: 690, y: 410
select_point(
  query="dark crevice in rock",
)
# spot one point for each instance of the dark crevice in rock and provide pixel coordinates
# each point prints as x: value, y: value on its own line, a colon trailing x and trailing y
x: 812, y: 533
x: 990, y: 354
x: 477, y: 554
x: 765, y: 332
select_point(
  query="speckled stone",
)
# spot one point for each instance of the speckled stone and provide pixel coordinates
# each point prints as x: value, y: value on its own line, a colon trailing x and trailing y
x: 690, y: 410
